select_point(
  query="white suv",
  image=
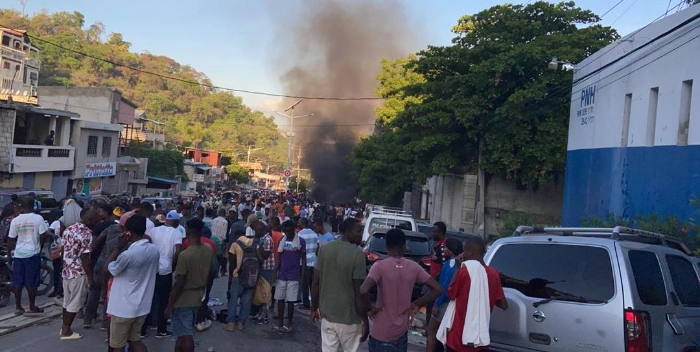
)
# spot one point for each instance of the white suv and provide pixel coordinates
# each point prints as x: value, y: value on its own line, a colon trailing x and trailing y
x: 381, y: 217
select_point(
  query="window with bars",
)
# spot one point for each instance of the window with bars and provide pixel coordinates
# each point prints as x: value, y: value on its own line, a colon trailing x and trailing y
x: 92, y: 146
x: 106, y: 146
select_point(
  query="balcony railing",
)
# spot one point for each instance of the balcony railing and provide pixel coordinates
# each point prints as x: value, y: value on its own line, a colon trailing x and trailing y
x: 39, y: 158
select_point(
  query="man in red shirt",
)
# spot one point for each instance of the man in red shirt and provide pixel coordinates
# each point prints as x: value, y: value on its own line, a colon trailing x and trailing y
x: 474, y: 249
x: 439, y: 230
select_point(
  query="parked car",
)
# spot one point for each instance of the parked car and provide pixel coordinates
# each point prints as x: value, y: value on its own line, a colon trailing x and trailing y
x: 384, y: 218
x: 574, y: 289
x: 51, y: 209
x: 418, y: 249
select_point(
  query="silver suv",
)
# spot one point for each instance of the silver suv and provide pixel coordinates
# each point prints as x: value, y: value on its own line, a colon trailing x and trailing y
x: 595, y: 289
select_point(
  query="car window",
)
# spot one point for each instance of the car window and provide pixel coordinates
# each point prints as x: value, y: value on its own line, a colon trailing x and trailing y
x: 685, y: 280
x: 414, y: 245
x: 426, y: 229
x: 47, y: 200
x: 388, y: 223
x: 648, y: 278
x: 5, y: 199
x: 568, y: 272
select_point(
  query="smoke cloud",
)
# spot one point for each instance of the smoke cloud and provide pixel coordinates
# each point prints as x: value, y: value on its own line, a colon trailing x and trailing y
x: 333, y: 48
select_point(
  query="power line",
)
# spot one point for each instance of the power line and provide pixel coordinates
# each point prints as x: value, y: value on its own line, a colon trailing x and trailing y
x: 619, y: 42
x: 612, y: 8
x: 623, y: 13
x: 195, y: 82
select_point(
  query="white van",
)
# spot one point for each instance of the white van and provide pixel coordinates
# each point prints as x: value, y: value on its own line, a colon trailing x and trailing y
x: 381, y: 217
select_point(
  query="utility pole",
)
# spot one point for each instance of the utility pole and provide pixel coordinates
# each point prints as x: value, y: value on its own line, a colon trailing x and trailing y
x: 251, y: 150
x: 298, y: 169
x: 290, y: 134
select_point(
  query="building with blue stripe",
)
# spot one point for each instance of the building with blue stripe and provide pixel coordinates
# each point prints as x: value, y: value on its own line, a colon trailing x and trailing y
x: 634, y: 132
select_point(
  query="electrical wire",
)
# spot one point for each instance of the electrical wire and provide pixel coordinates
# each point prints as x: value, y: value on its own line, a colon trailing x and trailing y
x: 612, y: 8
x: 277, y: 95
x: 623, y: 13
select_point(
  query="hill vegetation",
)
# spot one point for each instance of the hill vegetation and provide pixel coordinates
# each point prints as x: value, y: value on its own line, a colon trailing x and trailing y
x: 195, y: 115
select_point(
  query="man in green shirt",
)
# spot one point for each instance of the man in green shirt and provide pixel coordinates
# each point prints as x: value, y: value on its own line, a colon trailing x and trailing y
x: 335, y: 293
x: 191, y: 274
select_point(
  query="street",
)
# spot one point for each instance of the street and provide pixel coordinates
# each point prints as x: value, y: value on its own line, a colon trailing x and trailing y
x: 42, y: 335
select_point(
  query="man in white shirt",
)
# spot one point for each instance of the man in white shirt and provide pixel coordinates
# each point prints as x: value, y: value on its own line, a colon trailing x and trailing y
x: 168, y: 240
x: 146, y: 209
x: 311, y: 239
x: 24, y: 247
x: 134, y: 272
x: 219, y: 229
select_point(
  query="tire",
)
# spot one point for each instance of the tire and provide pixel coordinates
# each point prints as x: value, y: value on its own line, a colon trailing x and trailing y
x: 45, y: 280
x: 5, y: 291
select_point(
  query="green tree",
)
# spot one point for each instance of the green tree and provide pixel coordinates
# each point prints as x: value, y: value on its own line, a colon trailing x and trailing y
x: 167, y: 163
x: 489, y: 98
x: 237, y: 173
x: 193, y: 114
x: 394, y: 77
x: 303, y: 184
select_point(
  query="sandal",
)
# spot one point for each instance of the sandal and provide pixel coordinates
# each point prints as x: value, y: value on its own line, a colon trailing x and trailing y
x: 19, y: 312
x: 36, y: 310
x: 74, y: 336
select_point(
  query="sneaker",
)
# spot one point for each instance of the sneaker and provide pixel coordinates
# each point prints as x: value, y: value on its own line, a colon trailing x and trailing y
x: 154, y: 328
x: 87, y: 324
x: 144, y: 334
x: 204, y: 325
x: 165, y: 334
x: 240, y: 326
x: 230, y: 327
x: 263, y: 321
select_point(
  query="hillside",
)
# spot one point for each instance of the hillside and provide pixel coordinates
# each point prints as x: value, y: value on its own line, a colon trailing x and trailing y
x: 194, y: 114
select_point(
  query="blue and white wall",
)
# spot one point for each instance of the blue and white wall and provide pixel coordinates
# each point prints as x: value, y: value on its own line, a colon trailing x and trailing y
x: 634, y: 134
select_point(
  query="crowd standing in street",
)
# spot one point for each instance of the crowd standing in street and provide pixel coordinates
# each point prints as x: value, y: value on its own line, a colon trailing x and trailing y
x: 154, y: 267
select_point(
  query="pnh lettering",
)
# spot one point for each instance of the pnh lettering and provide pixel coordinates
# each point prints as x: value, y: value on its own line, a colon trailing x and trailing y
x: 588, y: 96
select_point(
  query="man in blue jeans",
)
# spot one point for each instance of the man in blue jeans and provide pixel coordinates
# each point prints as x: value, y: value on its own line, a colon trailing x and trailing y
x: 244, y: 250
x: 191, y: 275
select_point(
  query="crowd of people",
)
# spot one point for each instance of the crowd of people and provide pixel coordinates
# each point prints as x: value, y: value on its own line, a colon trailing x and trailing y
x: 153, y: 269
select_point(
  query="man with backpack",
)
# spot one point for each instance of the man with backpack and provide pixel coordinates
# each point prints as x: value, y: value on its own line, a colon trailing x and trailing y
x: 244, y: 264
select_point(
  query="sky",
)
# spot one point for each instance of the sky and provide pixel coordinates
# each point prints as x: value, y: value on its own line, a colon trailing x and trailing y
x: 231, y: 40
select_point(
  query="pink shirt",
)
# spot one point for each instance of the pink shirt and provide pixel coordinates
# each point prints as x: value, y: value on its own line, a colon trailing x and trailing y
x: 395, y: 278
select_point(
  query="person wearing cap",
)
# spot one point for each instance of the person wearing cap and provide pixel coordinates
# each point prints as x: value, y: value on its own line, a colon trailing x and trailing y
x: 168, y: 240
x: 175, y: 219
x: 452, y: 249
x: 134, y: 265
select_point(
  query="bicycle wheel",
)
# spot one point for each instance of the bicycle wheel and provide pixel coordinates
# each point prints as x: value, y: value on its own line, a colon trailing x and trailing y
x: 45, y: 280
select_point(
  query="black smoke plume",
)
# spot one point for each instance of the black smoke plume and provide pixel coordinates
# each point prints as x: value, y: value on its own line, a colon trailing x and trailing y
x: 333, y: 48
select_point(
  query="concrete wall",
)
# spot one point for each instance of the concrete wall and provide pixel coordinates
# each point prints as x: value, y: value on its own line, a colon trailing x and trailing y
x: 93, y: 104
x: 7, y: 128
x: 81, y: 134
x: 453, y: 199
x: 634, y: 132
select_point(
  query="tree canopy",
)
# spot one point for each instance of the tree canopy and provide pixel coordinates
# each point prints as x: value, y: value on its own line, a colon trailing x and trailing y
x: 195, y: 115
x: 487, y: 99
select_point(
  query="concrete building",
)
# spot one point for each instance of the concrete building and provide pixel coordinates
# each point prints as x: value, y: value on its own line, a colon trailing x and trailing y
x: 29, y: 158
x: 200, y: 176
x: 104, y: 112
x: 101, y: 104
x: 634, y: 131
x: 19, y: 67
x: 144, y: 130
x: 130, y: 176
x: 209, y: 157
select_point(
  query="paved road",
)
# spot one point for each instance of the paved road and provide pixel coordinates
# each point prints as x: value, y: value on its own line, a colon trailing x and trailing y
x: 43, y: 336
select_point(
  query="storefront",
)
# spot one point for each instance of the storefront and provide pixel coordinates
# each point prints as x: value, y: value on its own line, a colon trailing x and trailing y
x: 91, y: 184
